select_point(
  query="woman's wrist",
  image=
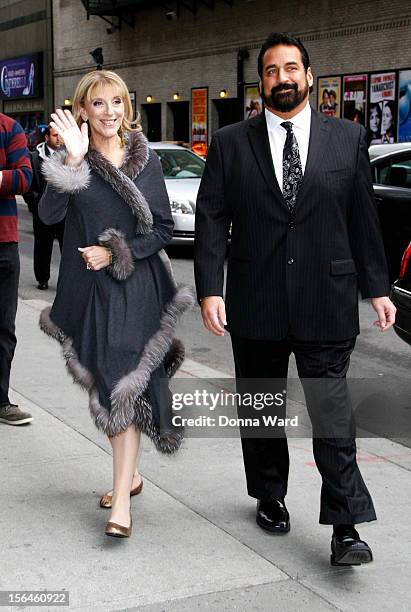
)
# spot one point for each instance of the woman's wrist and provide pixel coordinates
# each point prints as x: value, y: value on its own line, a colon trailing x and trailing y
x: 73, y: 161
x: 110, y: 256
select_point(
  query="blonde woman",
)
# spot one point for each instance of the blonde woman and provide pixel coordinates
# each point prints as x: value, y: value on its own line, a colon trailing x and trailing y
x: 117, y: 304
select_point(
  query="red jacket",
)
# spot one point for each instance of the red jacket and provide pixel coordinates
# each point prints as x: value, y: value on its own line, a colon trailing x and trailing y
x: 16, y: 175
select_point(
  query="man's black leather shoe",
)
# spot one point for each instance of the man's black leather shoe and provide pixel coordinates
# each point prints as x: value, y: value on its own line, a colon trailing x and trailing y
x: 272, y: 515
x: 347, y: 548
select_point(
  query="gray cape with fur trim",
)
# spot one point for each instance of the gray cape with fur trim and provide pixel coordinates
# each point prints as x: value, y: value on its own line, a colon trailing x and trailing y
x: 116, y: 325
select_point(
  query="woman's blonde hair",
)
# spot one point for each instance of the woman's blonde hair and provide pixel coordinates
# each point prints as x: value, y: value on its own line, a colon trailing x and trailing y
x: 97, y: 79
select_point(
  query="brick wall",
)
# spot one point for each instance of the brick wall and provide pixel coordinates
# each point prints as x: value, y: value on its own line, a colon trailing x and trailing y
x: 159, y: 57
x: 25, y: 27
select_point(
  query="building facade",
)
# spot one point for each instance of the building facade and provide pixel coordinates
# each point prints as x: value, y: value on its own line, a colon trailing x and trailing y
x: 26, y: 63
x: 192, y: 67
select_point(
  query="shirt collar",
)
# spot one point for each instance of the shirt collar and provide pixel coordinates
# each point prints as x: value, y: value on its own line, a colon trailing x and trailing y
x: 301, y: 120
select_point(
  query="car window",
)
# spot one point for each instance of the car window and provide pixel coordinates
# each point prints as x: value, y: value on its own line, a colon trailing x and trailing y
x: 179, y: 164
x: 394, y: 172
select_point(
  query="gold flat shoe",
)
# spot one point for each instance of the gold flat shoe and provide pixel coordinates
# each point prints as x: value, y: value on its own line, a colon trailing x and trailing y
x: 106, y: 500
x: 119, y: 531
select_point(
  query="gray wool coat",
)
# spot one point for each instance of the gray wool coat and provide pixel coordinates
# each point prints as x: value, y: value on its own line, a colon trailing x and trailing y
x: 116, y: 325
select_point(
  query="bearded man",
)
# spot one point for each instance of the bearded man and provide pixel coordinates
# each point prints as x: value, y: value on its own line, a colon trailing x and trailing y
x: 295, y: 187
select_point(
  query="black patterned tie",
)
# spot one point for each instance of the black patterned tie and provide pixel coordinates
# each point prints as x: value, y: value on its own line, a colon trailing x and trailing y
x: 292, y: 169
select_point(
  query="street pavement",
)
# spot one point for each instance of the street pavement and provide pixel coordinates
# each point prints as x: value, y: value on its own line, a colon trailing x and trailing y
x: 195, y: 544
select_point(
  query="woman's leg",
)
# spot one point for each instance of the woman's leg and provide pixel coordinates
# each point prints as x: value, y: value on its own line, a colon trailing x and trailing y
x: 136, y: 476
x: 125, y: 451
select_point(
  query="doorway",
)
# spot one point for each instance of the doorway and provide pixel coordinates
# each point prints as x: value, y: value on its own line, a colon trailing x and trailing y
x: 151, y: 119
x: 178, y: 121
x: 227, y: 112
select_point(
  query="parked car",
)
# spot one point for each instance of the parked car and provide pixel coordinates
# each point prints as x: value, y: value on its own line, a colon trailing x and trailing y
x: 401, y: 296
x: 392, y: 189
x: 182, y: 170
x: 391, y: 167
x: 381, y: 149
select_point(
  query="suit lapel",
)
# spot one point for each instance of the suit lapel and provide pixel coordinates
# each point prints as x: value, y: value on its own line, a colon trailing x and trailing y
x: 319, y: 133
x: 260, y: 144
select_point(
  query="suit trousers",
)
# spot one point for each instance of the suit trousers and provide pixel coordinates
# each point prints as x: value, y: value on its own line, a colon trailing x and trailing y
x: 322, y: 368
x: 9, y: 283
x: 44, y: 236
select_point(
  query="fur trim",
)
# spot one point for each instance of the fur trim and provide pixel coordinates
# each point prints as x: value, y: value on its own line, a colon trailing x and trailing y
x: 66, y: 179
x: 128, y: 401
x: 123, y: 261
x: 136, y: 158
x: 137, y: 154
x: 174, y: 358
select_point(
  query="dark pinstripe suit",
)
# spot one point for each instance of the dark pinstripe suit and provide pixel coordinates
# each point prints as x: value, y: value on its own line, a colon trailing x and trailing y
x: 292, y: 278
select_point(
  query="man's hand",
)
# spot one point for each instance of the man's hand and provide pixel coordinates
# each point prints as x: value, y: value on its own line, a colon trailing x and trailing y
x: 385, y: 310
x: 213, y: 313
x: 96, y: 257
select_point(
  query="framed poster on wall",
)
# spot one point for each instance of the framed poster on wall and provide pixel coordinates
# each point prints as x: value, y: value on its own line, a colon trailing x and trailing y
x: 355, y: 97
x: 329, y: 95
x: 252, y: 101
x: 404, y: 106
x: 199, y: 120
x: 382, y: 108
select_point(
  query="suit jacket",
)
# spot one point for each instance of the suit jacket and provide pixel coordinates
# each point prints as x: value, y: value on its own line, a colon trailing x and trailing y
x: 38, y: 185
x: 290, y: 273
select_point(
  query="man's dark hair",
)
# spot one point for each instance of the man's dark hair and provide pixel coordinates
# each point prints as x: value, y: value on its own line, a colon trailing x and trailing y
x: 281, y: 38
x: 46, y: 131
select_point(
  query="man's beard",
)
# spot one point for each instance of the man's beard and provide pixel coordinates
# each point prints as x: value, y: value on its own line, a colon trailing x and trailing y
x: 285, y: 102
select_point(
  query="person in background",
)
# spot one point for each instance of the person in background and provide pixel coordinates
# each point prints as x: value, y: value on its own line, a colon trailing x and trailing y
x: 387, y: 122
x: 254, y: 109
x: 357, y: 116
x: 333, y: 102
x: 325, y: 105
x: 44, y: 235
x: 374, y: 125
x: 15, y: 178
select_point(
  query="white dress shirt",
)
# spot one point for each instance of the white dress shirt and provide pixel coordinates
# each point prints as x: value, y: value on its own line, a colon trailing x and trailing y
x: 277, y: 135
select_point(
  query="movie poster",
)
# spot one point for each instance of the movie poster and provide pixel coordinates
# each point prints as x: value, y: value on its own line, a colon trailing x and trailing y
x: 329, y: 96
x: 355, y: 98
x: 382, y: 112
x: 404, y: 106
x: 252, y: 102
x: 199, y: 120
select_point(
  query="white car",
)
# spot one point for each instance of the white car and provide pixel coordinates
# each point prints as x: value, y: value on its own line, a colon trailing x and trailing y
x: 182, y: 170
x: 383, y: 149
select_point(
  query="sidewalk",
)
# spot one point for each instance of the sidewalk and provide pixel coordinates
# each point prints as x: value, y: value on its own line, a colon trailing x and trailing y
x: 195, y: 544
